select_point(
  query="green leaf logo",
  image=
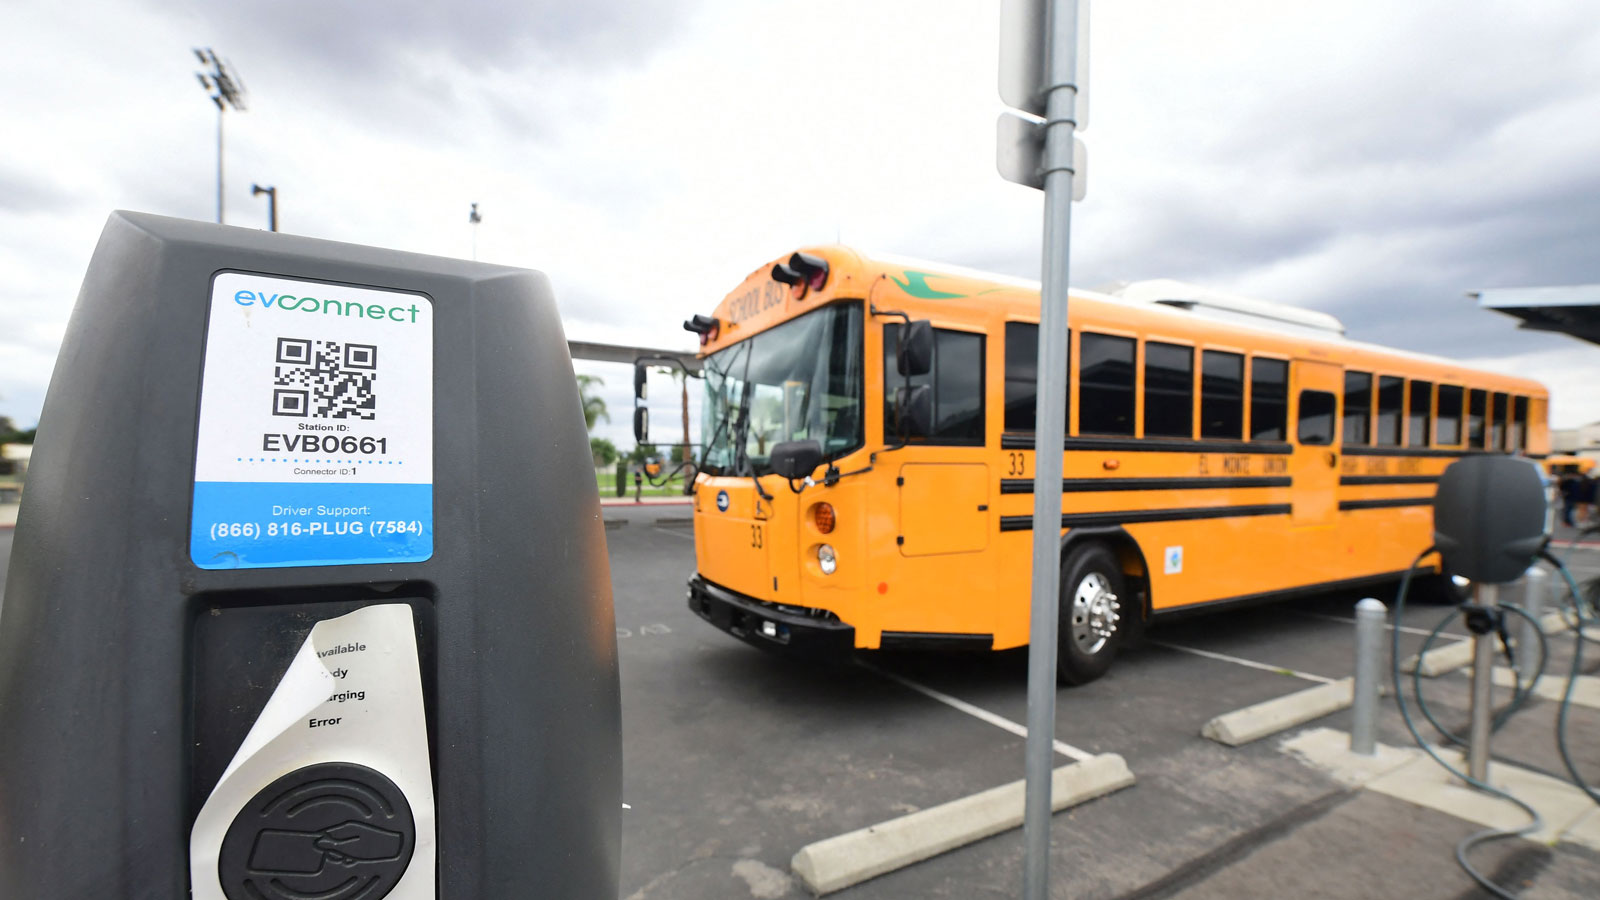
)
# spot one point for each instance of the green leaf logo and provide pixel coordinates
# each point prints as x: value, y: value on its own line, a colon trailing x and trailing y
x: 916, y: 284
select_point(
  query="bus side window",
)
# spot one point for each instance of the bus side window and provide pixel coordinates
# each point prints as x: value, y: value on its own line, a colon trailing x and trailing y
x: 1498, y: 413
x: 1449, y: 428
x: 1022, y: 376
x: 1391, y: 409
x: 1420, y: 411
x: 1221, y: 395
x: 1475, y: 419
x: 1519, y: 424
x: 957, y: 380
x: 958, y: 387
x: 1317, y: 410
x: 1357, y: 408
x: 1105, y: 385
x: 1168, y: 390
x: 1269, y: 399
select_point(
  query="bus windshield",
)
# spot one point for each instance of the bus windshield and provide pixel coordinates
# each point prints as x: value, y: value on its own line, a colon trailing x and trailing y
x: 800, y: 380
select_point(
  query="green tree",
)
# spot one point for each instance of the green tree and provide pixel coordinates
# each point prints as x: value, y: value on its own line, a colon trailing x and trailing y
x: 594, y: 406
x: 604, y: 452
x: 10, y: 434
x: 642, y: 453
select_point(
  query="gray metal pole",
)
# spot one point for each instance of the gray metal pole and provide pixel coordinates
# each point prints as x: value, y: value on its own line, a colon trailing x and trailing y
x: 1049, y: 438
x: 1370, y: 616
x: 1482, y: 670
x: 220, y: 112
x: 1535, y: 589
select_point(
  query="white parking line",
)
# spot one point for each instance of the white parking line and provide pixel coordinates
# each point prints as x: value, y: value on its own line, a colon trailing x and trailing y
x: 1404, y: 629
x: 675, y: 533
x: 1238, y: 661
x: 978, y: 712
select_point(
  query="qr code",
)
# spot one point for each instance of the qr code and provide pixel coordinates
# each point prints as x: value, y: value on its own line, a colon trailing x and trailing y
x: 325, y: 380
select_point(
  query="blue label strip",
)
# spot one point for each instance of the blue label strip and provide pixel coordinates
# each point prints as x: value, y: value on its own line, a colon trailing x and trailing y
x: 255, y: 525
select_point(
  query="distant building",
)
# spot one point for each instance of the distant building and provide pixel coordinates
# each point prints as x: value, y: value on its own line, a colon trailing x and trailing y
x: 1584, y: 438
x: 14, y: 461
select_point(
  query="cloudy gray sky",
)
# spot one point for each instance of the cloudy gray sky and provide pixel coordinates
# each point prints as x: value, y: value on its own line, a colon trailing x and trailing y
x: 1372, y: 159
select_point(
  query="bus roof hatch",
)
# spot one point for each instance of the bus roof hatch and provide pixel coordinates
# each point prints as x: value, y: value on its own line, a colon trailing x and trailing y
x: 1221, y: 305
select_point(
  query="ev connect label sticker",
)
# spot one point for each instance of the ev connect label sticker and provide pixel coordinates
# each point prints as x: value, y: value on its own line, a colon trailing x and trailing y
x: 316, y: 426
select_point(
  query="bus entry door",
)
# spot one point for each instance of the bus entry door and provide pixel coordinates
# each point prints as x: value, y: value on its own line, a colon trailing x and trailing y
x: 1314, y: 431
x: 943, y: 508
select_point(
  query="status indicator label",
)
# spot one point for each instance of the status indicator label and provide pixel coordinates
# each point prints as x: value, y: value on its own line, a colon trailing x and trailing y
x: 316, y: 426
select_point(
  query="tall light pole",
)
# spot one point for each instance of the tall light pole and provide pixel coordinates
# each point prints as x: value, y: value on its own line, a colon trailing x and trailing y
x: 226, y: 89
x: 272, y: 204
x: 474, y: 218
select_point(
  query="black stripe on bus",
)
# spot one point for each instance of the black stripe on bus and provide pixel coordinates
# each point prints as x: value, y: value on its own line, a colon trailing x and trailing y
x: 1133, y: 516
x: 1244, y: 600
x: 1151, y: 445
x: 1409, y: 451
x: 1091, y: 485
x: 1352, y: 480
x: 927, y: 640
x: 1387, y: 503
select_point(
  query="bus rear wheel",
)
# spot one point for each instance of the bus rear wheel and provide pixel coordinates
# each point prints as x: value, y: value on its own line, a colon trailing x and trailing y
x: 1093, y: 597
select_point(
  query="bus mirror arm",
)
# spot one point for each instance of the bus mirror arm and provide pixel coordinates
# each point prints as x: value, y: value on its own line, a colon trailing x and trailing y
x: 889, y: 312
x: 832, y: 476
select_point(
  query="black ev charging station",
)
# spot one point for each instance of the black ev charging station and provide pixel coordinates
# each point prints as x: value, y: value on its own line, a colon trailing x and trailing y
x: 308, y: 595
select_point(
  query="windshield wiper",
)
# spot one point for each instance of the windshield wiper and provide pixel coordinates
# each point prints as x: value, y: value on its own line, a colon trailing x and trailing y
x: 722, y: 425
x: 740, y: 437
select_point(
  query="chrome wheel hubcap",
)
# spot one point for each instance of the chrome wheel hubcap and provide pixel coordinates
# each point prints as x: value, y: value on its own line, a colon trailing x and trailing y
x: 1095, y: 613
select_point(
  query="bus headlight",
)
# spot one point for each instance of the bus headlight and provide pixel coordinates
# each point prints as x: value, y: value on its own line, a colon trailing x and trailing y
x: 825, y: 559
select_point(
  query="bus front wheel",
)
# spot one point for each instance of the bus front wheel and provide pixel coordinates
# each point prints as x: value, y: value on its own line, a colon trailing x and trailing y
x: 1093, y: 599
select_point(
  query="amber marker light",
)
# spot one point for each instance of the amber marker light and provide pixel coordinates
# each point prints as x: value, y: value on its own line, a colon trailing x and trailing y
x: 822, y: 514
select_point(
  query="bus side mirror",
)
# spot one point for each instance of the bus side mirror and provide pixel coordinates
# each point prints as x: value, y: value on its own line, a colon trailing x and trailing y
x: 915, y: 355
x: 796, y: 459
x: 916, y: 410
x: 641, y: 424
x: 641, y: 386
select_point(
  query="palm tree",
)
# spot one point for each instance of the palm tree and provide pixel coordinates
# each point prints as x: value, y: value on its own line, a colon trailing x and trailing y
x: 594, y: 406
x: 682, y: 377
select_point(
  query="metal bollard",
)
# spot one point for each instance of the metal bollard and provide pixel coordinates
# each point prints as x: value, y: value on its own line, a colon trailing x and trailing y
x: 1535, y: 590
x: 1486, y: 596
x: 1370, y: 616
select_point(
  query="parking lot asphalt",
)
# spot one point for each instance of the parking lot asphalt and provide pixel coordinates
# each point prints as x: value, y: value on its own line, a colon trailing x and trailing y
x: 735, y: 759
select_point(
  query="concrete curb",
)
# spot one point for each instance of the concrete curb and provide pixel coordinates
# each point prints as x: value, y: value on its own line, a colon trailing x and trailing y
x: 1407, y: 774
x: 839, y: 862
x: 1447, y: 658
x: 1272, y: 716
x: 1329, y: 749
x: 1553, y: 687
x: 1440, y: 660
x: 1553, y: 623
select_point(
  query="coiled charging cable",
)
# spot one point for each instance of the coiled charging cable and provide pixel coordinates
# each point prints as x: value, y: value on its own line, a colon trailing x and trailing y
x: 1477, y: 838
x: 1581, y: 617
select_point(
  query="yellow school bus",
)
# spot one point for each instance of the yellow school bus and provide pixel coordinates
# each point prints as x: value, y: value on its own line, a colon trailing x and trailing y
x: 1563, y: 464
x: 867, y: 468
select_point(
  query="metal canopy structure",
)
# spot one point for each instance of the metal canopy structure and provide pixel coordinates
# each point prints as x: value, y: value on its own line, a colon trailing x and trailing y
x: 1573, y: 309
x: 621, y: 353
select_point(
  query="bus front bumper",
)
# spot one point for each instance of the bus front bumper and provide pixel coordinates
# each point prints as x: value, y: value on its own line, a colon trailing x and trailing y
x: 769, y: 626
